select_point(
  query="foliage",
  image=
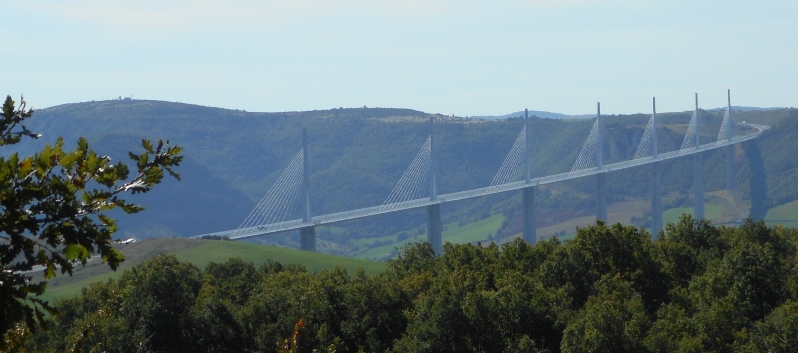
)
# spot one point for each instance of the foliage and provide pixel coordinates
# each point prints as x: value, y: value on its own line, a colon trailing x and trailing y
x: 697, y: 288
x: 54, y: 210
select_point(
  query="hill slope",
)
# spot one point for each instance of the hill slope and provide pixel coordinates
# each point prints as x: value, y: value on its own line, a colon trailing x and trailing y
x: 200, y: 253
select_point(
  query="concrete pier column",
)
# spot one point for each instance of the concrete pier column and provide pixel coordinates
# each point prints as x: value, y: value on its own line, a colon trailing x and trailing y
x: 656, y: 199
x: 601, y: 200
x: 307, y: 235
x: 731, y: 168
x: 434, y: 228
x: 307, y: 238
x: 698, y: 186
x: 530, y: 231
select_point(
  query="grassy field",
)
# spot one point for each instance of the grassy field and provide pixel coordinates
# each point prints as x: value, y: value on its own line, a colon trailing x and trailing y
x: 215, y: 251
x: 200, y: 253
x: 453, y: 233
x: 712, y: 211
x: 786, y: 215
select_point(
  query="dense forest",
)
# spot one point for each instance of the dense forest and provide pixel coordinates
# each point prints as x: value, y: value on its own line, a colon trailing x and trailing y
x: 696, y: 288
x: 358, y: 154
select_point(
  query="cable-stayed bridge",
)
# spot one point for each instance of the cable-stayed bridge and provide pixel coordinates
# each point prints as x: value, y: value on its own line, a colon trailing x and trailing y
x: 417, y: 187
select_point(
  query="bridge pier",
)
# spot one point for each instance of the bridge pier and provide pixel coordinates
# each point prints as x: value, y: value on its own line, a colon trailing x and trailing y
x: 731, y: 168
x: 698, y: 186
x: 601, y: 200
x: 530, y: 230
x: 307, y: 238
x: 656, y: 199
x: 435, y: 228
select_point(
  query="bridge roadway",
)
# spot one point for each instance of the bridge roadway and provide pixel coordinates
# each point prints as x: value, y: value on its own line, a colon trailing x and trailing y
x: 490, y: 190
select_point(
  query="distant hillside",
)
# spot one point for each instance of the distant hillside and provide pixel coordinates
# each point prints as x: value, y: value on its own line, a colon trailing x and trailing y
x: 537, y: 113
x: 357, y: 155
x: 550, y: 115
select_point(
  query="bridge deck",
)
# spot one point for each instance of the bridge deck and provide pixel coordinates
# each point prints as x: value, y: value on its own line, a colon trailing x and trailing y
x: 402, y: 206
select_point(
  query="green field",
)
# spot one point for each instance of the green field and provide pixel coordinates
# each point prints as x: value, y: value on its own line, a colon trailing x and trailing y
x: 712, y: 211
x: 453, y: 233
x: 200, y: 253
x: 220, y: 251
x: 72, y: 289
x: 786, y: 215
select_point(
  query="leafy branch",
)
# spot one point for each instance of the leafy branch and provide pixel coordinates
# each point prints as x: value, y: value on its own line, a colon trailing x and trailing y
x: 53, y: 207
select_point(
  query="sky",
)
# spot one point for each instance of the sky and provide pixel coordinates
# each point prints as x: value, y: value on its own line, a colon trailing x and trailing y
x: 450, y: 57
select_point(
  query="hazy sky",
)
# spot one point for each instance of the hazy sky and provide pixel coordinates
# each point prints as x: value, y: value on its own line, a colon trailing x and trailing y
x: 451, y: 57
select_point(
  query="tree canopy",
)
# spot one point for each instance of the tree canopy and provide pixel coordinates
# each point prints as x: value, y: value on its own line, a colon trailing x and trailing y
x: 697, y: 288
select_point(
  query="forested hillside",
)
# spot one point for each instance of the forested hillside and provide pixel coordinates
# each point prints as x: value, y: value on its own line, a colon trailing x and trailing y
x: 699, y: 288
x: 357, y: 155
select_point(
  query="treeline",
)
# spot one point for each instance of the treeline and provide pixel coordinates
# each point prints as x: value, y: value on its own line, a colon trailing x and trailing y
x: 697, y: 288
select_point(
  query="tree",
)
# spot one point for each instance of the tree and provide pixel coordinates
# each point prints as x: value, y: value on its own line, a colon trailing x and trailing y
x: 613, y: 321
x: 777, y: 333
x: 53, y: 208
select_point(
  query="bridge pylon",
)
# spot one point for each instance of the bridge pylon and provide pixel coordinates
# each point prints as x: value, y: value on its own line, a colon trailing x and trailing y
x: 434, y: 226
x: 307, y: 235
x: 601, y: 179
x: 528, y: 193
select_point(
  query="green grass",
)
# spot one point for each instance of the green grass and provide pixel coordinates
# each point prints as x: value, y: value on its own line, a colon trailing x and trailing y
x: 200, y: 253
x: 74, y: 288
x: 221, y: 251
x: 712, y: 211
x: 473, y: 232
x: 786, y: 215
x: 453, y: 233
